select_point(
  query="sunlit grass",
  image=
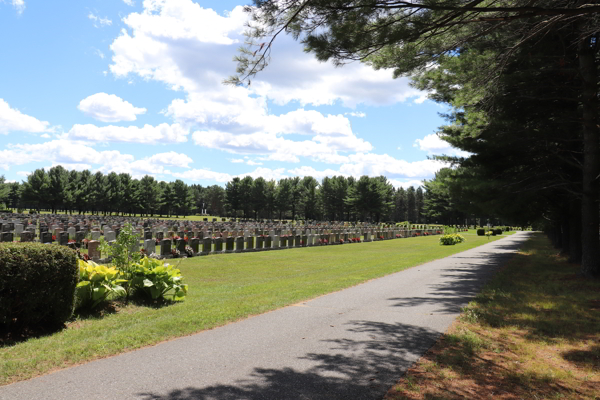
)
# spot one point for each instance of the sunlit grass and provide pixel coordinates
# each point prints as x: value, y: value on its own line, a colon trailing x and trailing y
x: 223, y: 288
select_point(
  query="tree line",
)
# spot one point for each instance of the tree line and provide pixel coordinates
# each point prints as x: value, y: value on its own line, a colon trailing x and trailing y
x: 335, y: 198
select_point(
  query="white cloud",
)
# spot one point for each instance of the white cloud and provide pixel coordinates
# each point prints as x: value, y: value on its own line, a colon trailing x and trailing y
x: 24, y: 173
x: 237, y: 160
x: 250, y: 162
x: 12, y: 120
x: 310, y: 171
x: 171, y: 159
x: 99, y: 53
x: 98, y: 21
x: 203, y: 175
x: 45, y: 136
x: 148, y: 134
x: 358, y: 114
x: 19, y: 5
x: 433, y: 144
x: 382, y: 164
x: 130, y: 3
x: 109, y: 108
x: 79, y: 156
x: 266, y: 173
x: 406, y: 184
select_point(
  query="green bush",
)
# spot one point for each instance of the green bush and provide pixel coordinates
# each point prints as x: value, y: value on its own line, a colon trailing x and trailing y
x: 480, y: 232
x: 451, y: 239
x: 155, y: 279
x: 498, y: 231
x: 37, y: 284
x: 96, y: 283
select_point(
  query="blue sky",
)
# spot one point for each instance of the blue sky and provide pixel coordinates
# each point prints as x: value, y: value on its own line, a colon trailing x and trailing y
x: 135, y: 86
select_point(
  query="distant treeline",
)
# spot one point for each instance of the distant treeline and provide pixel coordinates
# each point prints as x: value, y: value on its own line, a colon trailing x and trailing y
x: 335, y: 198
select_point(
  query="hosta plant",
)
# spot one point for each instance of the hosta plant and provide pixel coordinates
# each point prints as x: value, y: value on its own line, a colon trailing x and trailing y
x: 452, y: 239
x: 156, y: 280
x: 96, y: 283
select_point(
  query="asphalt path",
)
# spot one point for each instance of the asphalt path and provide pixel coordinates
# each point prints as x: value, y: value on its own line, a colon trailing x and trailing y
x: 352, y: 344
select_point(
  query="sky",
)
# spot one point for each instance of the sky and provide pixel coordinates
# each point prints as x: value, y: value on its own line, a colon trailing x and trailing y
x: 136, y: 86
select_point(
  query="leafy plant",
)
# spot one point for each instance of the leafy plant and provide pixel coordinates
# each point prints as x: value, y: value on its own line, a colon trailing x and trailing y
x: 96, y: 283
x: 451, y: 239
x: 123, y: 258
x: 155, y: 279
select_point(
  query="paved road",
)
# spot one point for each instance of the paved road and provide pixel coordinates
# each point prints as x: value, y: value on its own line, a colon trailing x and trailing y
x: 353, y: 344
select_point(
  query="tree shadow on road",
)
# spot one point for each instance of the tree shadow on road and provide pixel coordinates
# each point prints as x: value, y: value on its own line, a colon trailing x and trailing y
x: 364, y: 366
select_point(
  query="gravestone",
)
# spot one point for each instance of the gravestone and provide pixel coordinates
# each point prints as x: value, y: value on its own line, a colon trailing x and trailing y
x: 94, y: 249
x: 194, y: 244
x: 96, y: 235
x: 79, y: 236
x: 149, y: 246
x: 110, y: 236
x: 165, y: 247
x: 71, y: 232
x: 7, y: 236
x: 63, y: 239
x: 239, y: 244
x: 19, y: 228
x: 26, y: 236
x: 181, y: 246
x: 229, y: 242
x: 206, y: 245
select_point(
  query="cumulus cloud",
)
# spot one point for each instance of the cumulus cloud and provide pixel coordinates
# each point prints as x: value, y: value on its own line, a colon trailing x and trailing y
x: 148, y: 134
x: 383, y: 164
x: 130, y: 3
x: 80, y: 155
x: 12, y: 120
x: 203, y: 175
x: 433, y: 144
x: 109, y: 108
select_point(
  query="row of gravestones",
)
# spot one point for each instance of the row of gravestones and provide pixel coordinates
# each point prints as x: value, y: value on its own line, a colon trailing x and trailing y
x: 220, y: 245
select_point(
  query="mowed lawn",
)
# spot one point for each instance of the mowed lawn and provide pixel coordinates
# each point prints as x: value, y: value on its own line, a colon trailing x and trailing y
x: 222, y: 289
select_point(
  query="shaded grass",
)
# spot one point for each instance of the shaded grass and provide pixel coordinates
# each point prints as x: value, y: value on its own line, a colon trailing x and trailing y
x: 223, y: 288
x: 532, y: 333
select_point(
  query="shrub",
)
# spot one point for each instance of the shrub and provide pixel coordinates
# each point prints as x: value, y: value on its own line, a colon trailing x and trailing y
x: 452, y: 239
x: 96, y: 283
x: 155, y: 279
x: 497, y: 231
x: 480, y: 232
x: 37, y: 284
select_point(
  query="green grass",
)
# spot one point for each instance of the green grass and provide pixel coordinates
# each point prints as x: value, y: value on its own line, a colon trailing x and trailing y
x: 223, y: 288
x: 532, y: 332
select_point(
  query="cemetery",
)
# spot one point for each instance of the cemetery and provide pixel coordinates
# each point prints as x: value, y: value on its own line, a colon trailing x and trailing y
x: 179, y: 238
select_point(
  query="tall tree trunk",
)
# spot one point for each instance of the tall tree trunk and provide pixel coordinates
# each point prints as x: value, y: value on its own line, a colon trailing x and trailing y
x: 590, y: 220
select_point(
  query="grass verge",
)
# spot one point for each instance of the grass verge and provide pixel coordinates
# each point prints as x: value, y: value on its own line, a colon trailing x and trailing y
x: 223, y: 288
x: 532, y: 333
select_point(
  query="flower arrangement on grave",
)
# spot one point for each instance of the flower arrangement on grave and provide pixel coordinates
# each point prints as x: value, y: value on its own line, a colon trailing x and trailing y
x: 143, y: 251
x: 156, y: 242
x: 53, y: 237
x: 417, y: 234
x: 71, y: 241
x: 325, y: 241
x: 186, y: 239
x: 85, y: 241
x: 302, y: 243
x: 398, y: 236
x: 380, y: 237
x: 189, y: 251
x: 83, y: 256
x: 426, y: 233
x: 154, y: 256
x: 341, y: 241
x: 438, y: 232
x: 175, y: 253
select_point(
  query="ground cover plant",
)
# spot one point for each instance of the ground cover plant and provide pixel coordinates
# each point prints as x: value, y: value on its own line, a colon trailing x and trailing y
x: 532, y: 333
x: 223, y: 288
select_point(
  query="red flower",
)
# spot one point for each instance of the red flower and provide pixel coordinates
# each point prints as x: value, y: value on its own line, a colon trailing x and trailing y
x: 53, y: 237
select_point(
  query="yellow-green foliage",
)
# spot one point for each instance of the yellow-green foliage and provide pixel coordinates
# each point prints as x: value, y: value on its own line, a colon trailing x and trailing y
x: 96, y: 283
x: 155, y: 279
x: 451, y: 239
